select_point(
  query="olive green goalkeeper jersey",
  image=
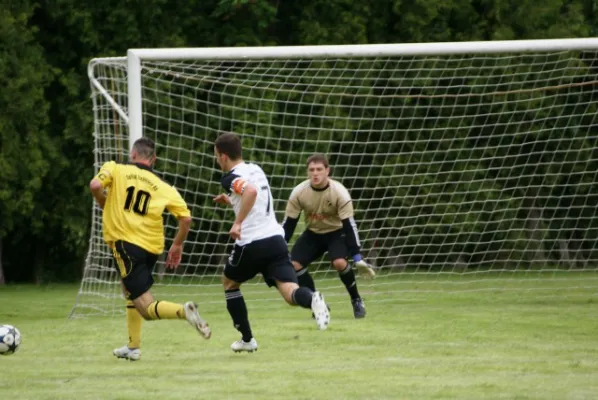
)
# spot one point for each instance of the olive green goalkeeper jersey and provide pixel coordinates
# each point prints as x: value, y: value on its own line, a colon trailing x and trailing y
x: 324, y: 209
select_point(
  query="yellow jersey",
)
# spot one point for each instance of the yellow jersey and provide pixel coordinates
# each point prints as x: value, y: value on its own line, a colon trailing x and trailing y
x: 135, y: 201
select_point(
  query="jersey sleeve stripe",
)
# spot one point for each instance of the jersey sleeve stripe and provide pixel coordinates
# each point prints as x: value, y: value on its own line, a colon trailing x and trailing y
x: 343, y: 206
x: 355, y: 232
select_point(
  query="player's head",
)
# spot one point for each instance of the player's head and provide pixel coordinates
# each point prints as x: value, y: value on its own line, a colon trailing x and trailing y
x: 228, y: 151
x: 318, y: 170
x: 144, y: 151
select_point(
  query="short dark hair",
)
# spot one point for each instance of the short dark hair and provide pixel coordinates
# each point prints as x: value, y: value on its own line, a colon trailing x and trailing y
x: 318, y: 158
x: 229, y: 144
x: 145, y: 148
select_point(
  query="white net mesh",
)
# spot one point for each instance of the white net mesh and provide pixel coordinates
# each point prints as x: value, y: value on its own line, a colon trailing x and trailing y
x: 468, y: 172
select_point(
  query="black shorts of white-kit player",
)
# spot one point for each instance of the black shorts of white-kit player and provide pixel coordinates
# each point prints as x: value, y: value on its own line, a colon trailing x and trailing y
x: 269, y: 256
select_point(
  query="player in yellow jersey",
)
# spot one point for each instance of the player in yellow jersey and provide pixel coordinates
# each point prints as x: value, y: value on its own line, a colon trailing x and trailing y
x: 134, y: 198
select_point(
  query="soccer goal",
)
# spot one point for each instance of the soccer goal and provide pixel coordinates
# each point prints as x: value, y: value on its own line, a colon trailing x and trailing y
x: 473, y: 166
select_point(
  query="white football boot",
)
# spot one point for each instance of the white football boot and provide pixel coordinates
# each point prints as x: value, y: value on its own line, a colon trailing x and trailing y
x: 241, y: 345
x: 196, y: 321
x: 127, y: 354
x: 320, y: 310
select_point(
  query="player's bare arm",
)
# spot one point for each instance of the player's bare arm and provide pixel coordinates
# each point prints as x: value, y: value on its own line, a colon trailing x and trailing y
x: 223, y: 199
x: 176, y: 250
x: 97, y: 190
x: 248, y: 198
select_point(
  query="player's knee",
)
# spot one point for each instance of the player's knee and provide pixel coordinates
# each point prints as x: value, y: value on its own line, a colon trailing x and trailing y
x: 229, y: 284
x: 297, y: 266
x: 288, y: 298
x: 145, y: 316
x: 286, y: 290
x: 142, y: 310
x: 339, y: 264
x: 142, y: 302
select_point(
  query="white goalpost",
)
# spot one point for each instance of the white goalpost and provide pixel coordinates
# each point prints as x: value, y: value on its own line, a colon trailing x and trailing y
x: 472, y: 166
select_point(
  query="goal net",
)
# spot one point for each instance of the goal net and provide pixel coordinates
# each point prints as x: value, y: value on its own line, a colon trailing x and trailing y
x: 472, y: 166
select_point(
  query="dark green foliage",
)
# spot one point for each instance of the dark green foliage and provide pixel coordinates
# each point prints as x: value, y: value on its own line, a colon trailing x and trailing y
x: 46, y: 157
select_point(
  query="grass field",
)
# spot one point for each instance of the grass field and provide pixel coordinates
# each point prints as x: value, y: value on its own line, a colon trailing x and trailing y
x: 473, y: 345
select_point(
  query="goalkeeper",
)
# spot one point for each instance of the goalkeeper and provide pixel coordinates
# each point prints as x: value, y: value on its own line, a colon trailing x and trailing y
x: 330, y: 227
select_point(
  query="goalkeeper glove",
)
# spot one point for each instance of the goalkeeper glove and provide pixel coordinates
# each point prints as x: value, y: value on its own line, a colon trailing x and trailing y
x: 363, y: 268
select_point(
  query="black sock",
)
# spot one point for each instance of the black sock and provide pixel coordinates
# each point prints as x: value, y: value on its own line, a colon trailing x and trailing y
x: 302, y: 297
x: 235, y: 304
x: 348, y: 277
x: 305, y: 279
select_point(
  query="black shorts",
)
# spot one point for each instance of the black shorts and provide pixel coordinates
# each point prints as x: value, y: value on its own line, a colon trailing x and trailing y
x: 135, y: 266
x: 269, y: 256
x: 310, y: 246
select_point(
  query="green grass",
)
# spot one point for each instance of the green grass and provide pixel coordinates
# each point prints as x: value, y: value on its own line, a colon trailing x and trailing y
x: 482, y: 344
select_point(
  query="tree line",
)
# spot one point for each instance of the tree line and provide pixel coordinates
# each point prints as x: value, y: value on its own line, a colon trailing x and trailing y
x: 46, y: 154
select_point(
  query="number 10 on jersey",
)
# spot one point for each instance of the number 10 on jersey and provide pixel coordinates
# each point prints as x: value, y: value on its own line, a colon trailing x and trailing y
x: 137, y: 201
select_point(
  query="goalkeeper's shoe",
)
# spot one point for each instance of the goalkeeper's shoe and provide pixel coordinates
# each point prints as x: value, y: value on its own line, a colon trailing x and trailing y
x: 127, y: 354
x: 320, y: 310
x: 240, y: 345
x: 196, y: 321
x: 358, y: 308
x: 365, y: 270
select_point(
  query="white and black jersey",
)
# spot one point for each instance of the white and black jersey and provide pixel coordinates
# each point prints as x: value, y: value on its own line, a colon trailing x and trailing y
x: 261, y: 222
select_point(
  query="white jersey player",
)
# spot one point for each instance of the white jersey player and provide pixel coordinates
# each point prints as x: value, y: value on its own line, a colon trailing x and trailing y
x: 259, y: 242
x: 260, y: 222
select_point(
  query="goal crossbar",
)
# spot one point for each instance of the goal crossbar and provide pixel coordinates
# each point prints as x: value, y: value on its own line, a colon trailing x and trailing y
x: 365, y: 50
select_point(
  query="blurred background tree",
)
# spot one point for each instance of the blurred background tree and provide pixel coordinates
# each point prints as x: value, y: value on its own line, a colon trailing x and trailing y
x: 46, y: 152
